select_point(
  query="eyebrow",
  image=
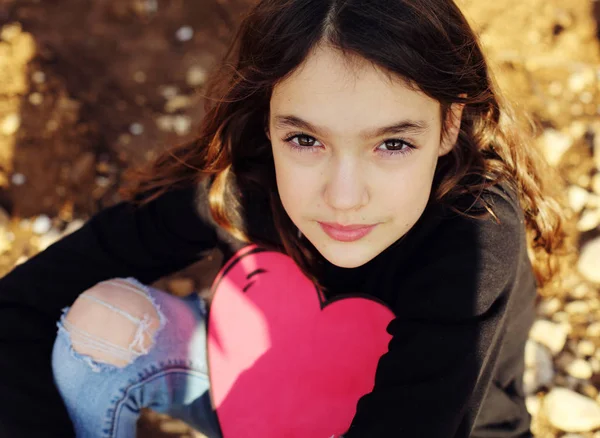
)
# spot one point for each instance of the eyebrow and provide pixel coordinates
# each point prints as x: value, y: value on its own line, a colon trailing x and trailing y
x: 408, y: 126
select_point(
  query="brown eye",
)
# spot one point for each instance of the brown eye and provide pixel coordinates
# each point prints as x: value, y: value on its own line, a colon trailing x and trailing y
x: 305, y: 140
x: 394, y: 145
x: 302, y: 142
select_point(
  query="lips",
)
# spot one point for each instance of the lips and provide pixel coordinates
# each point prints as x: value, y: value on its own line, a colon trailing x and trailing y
x: 346, y: 233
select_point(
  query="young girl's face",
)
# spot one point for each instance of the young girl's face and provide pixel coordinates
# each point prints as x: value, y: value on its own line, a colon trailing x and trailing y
x: 336, y: 167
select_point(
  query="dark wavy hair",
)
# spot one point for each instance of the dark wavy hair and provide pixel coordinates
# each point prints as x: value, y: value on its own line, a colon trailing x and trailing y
x: 426, y: 43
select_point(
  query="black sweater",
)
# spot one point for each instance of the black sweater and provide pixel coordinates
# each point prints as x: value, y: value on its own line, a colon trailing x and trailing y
x: 462, y: 290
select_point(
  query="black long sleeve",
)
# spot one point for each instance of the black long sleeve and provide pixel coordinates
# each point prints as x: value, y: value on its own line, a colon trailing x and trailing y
x: 145, y: 242
x: 460, y: 288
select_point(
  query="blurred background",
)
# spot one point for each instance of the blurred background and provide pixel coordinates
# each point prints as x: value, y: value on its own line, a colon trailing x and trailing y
x: 88, y: 88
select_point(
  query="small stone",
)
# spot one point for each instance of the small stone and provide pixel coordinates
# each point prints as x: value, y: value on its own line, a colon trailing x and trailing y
x: 139, y: 76
x: 184, y: 33
x: 73, y: 226
x: 536, y: 353
x: 182, y: 125
x: 577, y: 308
x: 48, y: 239
x: 586, y: 348
x: 103, y: 181
x: 52, y: 125
x: 41, y: 224
x: 578, y: 129
x: 577, y: 82
x: 36, y: 98
x: 563, y: 18
x: 169, y: 91
x: 586, y: 97
x: 595, y: 184
x: 590, y: 219
x: 22, y: 259
x: 181, y: 287
x: 540, y: 370
x: 573, y: 435
x: 581, y: 291
x: 533, y: 404
x: 555, y: 88
x: 579, y: 369
x: 577, y: 109
x: 136, y: 128
x: 10, y: 32
x: 571, y: 412
x: 549, y: 307
x: 10, y: 124
x: 196, y: 76
x: 589, y: 260
x: 584, y: 181
x: 124, y: 139
x: 555, y: 145
x: 177, y: 103
x: 39, y: 77
x: 549, y: 334
x: 5, y: 242
x: 554, y: 108
x: 578, y: 198
x: 18, y: 179
x: 561, y: 318
x: 589, y: 390
x: 165, y: 123
x: 104, y: 167
x: 151, y: 6
x: 593, y: 330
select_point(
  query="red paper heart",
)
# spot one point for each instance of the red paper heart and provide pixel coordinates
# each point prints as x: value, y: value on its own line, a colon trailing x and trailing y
x: 282, y: 362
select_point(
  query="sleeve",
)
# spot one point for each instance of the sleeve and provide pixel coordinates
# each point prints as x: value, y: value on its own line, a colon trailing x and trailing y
x: 145, y: 242
x: 451, y: 316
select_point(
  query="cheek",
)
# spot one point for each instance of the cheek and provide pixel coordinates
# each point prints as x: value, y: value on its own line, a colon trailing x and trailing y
x: 295, y: 184
x: 408, y: 193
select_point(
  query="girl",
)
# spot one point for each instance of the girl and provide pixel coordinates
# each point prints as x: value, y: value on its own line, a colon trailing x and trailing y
x: 366, y: 142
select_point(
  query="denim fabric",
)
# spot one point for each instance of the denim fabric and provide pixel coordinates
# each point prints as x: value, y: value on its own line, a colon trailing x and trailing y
x: 171, y: 376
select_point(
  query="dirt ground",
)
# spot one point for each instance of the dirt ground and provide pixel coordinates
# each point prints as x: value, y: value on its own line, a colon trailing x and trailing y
x: 90, y: 88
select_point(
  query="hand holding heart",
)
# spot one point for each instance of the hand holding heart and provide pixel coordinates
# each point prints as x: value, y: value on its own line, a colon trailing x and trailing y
x: 284, y: 363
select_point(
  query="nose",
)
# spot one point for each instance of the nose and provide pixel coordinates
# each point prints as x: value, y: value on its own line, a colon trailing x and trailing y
x: 345, y: 188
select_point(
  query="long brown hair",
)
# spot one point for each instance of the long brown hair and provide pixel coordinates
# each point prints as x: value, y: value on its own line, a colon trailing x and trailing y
x: 427, y: 43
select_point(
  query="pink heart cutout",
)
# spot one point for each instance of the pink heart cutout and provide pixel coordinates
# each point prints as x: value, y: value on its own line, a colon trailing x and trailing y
x: 283, y: 363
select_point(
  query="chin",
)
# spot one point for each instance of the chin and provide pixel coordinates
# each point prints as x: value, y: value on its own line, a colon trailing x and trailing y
x: 347, y: 255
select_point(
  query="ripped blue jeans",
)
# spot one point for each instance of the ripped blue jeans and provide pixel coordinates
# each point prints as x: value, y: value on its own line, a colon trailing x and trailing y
x: 171, y: 377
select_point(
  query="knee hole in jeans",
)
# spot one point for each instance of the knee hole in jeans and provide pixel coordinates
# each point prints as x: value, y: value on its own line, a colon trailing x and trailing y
x: 113, y: 322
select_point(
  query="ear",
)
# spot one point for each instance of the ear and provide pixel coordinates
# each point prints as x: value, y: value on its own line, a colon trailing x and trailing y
x: 453, y: 122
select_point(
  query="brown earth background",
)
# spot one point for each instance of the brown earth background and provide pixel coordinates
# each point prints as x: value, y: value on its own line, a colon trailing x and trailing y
x: 88, y: 88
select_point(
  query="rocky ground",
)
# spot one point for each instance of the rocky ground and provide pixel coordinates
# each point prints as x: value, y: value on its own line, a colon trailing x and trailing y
x: 89, y: 88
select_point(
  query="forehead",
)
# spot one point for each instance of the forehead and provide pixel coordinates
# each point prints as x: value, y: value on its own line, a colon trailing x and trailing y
x: 331, y: 86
